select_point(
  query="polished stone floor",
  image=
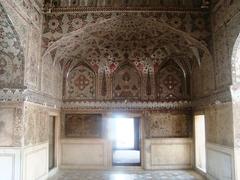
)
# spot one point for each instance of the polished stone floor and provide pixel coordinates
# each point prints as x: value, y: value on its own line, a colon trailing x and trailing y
x: 125, y: 175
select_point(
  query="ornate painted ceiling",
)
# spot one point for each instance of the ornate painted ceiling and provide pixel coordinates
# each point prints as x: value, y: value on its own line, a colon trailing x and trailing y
x: 128, y: 3
x: 145, y: 42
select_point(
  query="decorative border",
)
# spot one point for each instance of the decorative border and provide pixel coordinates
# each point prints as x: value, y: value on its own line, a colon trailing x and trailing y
x: 11, y: 95
x: 126, y: 105
x: 123, y: 9
x: 21, y: 95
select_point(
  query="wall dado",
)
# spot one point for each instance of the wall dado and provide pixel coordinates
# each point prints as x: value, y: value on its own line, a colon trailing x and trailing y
x: 168, y: 153
x: 24, y: 163
x: 219, y: 138
x: 220, y: 162
x: 157, y: 153
x: 86, y: 153
x: 163, y: 134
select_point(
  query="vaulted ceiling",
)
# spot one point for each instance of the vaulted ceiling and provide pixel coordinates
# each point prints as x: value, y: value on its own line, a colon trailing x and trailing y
x: 142, y: 41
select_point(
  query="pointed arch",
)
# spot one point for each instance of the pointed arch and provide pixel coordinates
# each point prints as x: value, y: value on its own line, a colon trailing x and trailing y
x: 80, y: 83
x: 126, y: 82
x: 171, y: 82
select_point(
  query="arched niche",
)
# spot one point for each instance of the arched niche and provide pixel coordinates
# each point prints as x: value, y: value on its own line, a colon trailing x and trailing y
x: 170, y: 82
x: 11, y: 54
x: 126, y: 83
x: 80, y: 83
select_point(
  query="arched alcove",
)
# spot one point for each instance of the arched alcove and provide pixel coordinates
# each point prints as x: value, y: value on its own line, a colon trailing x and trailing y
x: 126, y: 83
x: 80, y: 83
x: 170, y: 82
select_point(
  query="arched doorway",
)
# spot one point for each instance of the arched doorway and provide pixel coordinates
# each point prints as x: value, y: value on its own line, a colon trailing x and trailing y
x: 235, y: 92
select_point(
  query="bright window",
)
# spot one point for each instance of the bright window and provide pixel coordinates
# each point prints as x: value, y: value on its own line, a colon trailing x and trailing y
x: 123, y: 134
x: 200, y: 142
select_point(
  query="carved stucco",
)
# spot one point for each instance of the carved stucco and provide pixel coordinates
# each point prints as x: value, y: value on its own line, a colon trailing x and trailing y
x: 36, y: 123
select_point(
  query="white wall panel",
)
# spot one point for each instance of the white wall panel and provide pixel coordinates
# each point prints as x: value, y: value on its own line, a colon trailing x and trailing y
x: 85, y: 153
x: 219, y: 162
x: 168, y: 153
x: 35, y: 162
x: 10, y: 164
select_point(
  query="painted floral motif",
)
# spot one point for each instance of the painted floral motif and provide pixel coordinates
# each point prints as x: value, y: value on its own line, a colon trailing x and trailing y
x: 77, y: 23
x: 126, y: 83
x: 53, y: 24
x: 83, y: 125
x: 170, y: 83
x: 81, y: 83
x: 169, y: 125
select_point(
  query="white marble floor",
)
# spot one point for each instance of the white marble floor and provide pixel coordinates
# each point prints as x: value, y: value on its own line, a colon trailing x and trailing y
x: 126, y: 175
